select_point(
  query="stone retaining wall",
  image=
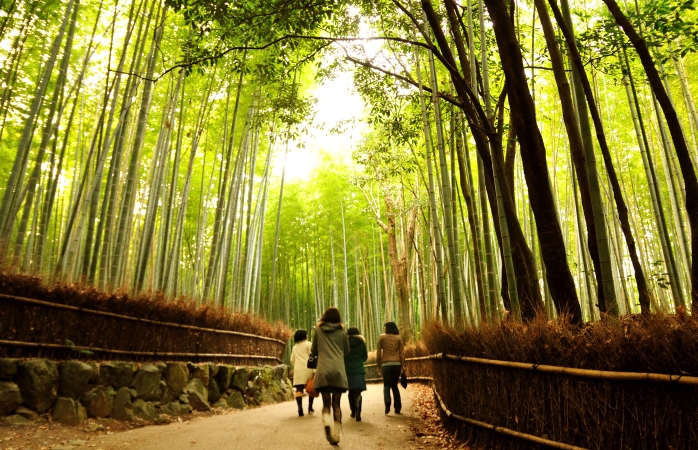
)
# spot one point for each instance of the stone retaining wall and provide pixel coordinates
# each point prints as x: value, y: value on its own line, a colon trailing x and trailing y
x: 71, y: 391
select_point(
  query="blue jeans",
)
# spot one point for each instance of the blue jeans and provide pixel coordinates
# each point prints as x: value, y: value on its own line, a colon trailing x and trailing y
x: 391, y: 378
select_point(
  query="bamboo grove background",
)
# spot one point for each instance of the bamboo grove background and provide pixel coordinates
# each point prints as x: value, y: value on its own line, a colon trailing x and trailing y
x: 139, y: 141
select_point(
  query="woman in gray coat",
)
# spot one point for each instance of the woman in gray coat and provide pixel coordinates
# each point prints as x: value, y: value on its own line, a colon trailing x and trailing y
x: 330, y: 344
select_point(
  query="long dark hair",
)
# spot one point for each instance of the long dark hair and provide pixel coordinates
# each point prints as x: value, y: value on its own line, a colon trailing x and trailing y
x: 331, y: 316
x: 391, y: 328
x: 301, y: 335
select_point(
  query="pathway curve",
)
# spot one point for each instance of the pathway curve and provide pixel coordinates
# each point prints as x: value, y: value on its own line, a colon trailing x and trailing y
x: 279, y: 427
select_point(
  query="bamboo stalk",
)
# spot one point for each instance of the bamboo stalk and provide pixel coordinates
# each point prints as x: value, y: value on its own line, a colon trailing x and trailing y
x: 584, y: 373
x: 132, y: 353
x: 136, y: 319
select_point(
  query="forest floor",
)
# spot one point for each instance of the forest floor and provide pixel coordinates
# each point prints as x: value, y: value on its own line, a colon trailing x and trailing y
x: 269, y: 427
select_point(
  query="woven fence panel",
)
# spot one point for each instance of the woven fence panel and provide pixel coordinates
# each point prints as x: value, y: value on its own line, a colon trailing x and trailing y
x: 46, y: 325
x: 594, y: 414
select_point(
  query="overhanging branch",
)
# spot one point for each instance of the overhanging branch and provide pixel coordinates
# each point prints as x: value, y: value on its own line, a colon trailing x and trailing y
x: 286, y: 37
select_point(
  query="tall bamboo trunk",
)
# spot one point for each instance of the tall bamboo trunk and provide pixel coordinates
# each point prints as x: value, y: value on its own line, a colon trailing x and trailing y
x: 534, y: 163
x: 49, y: 130
x: 127, y: 203
x: 466, y: 189
x: 10, y: 197
x: 582, y: 150
x: 455, y: 271
x: 680, y: 145
x: 436, y: 228
x: 222, y: 203
x: 650, y: 174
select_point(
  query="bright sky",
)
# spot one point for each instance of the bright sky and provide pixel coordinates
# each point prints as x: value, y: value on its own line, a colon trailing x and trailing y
x: 336, y: 102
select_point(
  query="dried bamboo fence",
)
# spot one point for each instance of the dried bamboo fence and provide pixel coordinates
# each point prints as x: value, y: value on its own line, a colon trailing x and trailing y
x: 37, y: 328
x: 511, y: 405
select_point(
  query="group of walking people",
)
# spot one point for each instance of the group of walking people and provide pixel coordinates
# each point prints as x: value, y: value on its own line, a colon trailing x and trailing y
x: 340, y: 356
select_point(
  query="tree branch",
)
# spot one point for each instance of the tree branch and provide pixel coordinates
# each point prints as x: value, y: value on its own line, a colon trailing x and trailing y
x: 368, y: 65
x: 330, y: 40
x: 374, y: 209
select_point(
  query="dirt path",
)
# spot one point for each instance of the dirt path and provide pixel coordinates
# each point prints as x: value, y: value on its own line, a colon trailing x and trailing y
x: 278, y: 427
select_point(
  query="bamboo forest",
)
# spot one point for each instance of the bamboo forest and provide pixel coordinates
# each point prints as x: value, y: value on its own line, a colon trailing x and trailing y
x: 506, y: 160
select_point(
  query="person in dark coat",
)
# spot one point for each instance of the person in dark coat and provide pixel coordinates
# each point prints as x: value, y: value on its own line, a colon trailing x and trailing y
x: 356, y: 374
x: 330, y: 344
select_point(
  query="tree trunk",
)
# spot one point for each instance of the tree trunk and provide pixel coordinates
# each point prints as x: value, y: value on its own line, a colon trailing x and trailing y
x: 560, y: 280
x: 586, y: 171
x: 527, y: 281
x: 612, y: 306
x: 400, y: 265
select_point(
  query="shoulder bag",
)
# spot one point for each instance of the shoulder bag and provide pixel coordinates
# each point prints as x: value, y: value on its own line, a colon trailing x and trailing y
x: 312, y: 361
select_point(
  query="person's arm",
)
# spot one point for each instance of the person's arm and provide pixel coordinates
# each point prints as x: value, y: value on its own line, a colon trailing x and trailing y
x: 293, y: 357
x: 347, y: 348
x: 378, y: 354
x: 313, y: 348
x: 363, y: 353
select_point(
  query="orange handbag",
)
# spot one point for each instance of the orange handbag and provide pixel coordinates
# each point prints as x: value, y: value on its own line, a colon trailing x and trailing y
x: 310, y: 389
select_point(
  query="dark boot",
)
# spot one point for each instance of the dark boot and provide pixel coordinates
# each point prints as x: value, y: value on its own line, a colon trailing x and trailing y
x: 386, y: 398
x: 310, y: 404
x: 358, y: 408
x: 352, y: 403
x: 299, y: 400
x: 327, y: 422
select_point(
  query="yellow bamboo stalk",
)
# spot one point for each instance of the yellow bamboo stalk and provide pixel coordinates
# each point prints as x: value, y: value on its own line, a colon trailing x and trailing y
x: 584, y: 373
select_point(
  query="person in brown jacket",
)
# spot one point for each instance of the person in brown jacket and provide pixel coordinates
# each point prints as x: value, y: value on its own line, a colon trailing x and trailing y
x: 390, y: 360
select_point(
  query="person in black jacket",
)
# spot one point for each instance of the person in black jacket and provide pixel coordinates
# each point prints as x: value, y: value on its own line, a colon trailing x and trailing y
x: 356, y: 374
